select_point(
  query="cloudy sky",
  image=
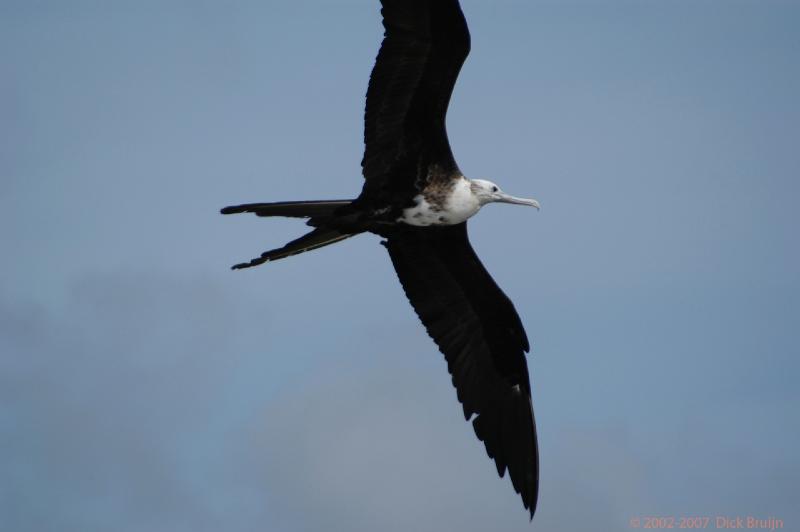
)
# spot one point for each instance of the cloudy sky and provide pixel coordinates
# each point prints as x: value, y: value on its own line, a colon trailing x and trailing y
x: 144, y: 387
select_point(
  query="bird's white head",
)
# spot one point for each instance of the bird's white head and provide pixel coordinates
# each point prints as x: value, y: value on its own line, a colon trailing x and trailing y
x: 488, y: 192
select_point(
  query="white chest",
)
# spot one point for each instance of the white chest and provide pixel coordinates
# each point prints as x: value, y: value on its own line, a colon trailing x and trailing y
x: 459, y: 205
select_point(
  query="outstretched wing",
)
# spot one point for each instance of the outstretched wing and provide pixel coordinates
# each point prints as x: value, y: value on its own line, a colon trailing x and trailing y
x: 480, y: 334
x: 425, y: 44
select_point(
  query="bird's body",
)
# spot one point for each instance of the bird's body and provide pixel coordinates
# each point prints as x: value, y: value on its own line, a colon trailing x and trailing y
x: 448, y: 203
x: 418, y: 200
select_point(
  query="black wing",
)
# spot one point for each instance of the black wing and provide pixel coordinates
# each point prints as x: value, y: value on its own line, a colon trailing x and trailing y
x: 480, y: 334
x: 425, y: 44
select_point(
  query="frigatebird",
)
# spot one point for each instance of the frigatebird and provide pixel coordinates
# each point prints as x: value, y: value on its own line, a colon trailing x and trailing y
x: 415, y: 197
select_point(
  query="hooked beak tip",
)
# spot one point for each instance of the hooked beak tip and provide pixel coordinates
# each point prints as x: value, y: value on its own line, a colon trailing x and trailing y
x: 520, y: 201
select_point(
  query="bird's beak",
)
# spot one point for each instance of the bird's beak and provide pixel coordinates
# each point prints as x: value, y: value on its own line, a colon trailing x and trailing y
x: 505, y: 198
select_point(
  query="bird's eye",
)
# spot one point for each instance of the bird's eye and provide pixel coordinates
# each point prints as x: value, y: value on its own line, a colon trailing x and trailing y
x: 494, y: 189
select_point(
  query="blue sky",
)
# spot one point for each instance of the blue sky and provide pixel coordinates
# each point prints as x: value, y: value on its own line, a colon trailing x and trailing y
x: 145, y: 387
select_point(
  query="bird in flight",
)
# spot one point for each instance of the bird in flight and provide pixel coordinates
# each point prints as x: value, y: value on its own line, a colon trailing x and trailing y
x: 417, y: 199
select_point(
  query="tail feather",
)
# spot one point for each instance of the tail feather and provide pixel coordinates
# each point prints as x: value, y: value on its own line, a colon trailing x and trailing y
x: 317, y: 238
x: 293, y: 209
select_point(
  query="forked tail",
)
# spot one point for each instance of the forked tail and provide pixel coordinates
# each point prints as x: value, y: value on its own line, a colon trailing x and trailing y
x: 291, y: 209
x: 318, y: 211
